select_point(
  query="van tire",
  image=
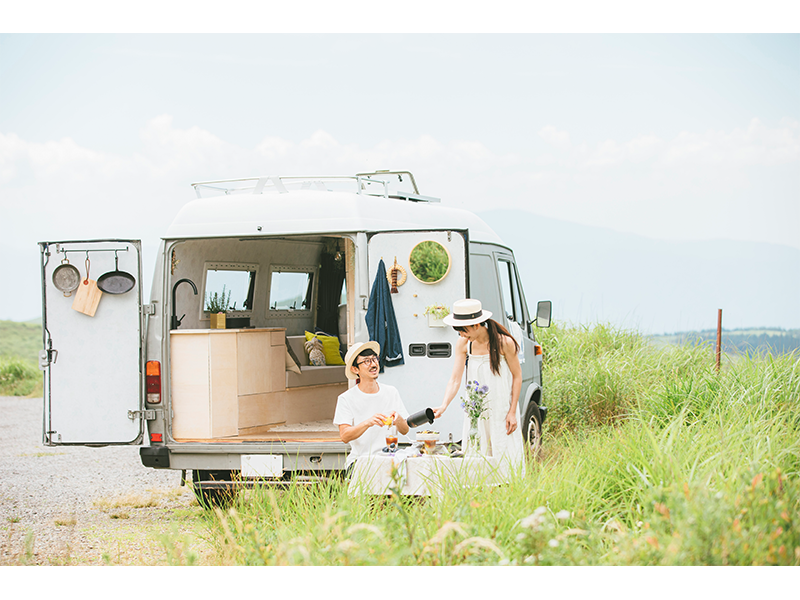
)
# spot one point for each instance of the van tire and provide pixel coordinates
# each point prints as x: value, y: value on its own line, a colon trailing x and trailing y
x: 210, y: 498
x: 532, y: 428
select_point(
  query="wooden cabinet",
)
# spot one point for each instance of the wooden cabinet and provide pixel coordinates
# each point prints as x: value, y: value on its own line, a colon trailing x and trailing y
x: 211, y: 369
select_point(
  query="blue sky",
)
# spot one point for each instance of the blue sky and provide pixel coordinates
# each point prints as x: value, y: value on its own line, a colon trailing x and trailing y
x: 679, y: 137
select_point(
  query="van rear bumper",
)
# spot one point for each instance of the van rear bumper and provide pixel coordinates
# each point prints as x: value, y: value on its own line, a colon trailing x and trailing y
x: 296, y: 457
x: 155, y: 457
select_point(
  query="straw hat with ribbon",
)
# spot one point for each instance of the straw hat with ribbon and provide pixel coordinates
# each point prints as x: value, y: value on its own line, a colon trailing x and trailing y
x: 354, y: 351
x: 467, y: 312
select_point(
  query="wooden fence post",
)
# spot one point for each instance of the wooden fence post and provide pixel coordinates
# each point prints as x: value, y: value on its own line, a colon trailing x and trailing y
x: 719, y: 338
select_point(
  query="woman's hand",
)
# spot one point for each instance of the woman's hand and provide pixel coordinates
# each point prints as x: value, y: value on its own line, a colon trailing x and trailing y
x: 511, y: 423
x: 438, y: 412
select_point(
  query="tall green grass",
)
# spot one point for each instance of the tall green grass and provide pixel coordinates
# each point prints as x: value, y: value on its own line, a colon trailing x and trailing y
x: 651, y: 458
x: 19, y: 348
x: 19, y: 377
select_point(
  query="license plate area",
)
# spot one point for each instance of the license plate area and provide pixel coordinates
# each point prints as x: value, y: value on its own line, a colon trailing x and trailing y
x: 262, y: 465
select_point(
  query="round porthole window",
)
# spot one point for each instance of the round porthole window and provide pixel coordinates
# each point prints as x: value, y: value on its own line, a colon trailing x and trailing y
x: 429, y: 262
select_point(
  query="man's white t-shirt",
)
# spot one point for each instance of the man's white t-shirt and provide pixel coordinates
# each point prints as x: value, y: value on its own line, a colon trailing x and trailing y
x: 354, y: 406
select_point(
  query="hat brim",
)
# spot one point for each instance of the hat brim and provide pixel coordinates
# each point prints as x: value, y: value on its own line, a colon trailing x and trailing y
x: 354, y: 352
x: 454, y: 322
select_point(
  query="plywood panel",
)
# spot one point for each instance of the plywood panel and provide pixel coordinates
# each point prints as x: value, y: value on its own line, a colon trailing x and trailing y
x: 261, y: 409
x: 255, y: 365
x: 224, y: 398
x: 312, y: 403
x: 190, y: 390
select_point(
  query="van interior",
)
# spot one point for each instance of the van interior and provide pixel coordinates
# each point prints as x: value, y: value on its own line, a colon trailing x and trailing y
x: 259, y: 378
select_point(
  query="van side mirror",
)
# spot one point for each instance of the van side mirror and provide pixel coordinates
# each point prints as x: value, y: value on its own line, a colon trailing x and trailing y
x: 544, y: 310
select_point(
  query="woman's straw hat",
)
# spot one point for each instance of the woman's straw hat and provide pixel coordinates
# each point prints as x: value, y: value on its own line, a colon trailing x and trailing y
x: 467, y: 312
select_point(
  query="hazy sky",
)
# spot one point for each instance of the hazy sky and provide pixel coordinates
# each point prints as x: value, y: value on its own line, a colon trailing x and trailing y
x: 680, y: 137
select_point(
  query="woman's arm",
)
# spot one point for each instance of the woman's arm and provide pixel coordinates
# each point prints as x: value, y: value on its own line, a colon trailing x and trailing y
x: 455, y: 377
x: 509, y: 350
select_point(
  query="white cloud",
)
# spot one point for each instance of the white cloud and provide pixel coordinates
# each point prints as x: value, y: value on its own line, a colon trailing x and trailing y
x: 558, y: 139
x: 61, y: 188
x: 755, y: 145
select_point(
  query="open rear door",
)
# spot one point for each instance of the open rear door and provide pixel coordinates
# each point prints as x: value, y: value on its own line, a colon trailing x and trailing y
x: 427, y: 346
x: 92, y: 356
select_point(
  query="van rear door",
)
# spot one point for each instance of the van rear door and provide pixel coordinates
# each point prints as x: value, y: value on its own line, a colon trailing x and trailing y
x: 427, y: 349
x: 93, y: 388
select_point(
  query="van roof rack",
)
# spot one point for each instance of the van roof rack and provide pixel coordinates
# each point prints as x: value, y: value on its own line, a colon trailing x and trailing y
x: 370, y: 184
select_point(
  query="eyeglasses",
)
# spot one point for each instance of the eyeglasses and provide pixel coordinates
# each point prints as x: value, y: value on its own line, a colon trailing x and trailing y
x: 368, y: 361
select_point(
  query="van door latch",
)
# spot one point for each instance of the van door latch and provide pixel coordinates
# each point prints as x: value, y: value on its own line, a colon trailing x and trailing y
x: 147, y: 415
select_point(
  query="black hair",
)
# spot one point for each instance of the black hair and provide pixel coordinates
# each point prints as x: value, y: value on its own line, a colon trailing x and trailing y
x: 495, y: 332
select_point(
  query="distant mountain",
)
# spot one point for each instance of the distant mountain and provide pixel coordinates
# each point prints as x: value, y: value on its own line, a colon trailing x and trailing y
x: 743, y: 341
x: 594, y: 275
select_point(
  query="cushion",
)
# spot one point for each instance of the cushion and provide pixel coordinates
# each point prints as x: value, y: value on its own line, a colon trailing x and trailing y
x: 330, y: 347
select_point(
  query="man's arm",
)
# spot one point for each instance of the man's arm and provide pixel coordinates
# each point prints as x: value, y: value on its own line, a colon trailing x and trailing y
x: 349, y: 433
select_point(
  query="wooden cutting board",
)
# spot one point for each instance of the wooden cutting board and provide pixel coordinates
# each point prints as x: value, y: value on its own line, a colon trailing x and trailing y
x: 87, y: 297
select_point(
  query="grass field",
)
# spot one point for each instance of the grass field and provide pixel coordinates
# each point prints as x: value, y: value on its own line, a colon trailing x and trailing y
x: 651, y: 458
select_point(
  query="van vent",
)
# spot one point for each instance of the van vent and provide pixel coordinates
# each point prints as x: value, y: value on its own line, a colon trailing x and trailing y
x: 439, y: 350
x: 417, y: 350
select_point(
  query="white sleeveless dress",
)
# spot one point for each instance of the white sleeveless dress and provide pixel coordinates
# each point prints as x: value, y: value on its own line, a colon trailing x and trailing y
x: 492, y: 429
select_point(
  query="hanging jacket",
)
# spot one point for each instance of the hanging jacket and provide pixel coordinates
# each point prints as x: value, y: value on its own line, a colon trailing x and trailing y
x: 381, y: 322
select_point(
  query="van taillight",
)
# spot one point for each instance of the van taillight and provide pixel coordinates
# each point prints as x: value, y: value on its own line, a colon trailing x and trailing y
x: 152, y: 381
x: 537, y: 350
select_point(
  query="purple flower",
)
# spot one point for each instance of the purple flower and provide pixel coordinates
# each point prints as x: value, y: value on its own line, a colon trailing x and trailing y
x: 474, y: 404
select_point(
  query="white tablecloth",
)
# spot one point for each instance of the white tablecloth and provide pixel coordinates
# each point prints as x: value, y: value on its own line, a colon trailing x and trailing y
x: 423, y: 475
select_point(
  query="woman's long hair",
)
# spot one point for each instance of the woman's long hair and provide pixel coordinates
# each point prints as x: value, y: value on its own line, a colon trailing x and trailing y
x: 495, y: 332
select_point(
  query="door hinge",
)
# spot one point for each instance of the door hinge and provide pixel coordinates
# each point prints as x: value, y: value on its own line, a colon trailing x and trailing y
x: 148, y: 309
x: 147, y: 415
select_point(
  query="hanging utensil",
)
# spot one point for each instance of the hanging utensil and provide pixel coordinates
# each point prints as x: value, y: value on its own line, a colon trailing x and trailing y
x: 116, y: 281
x: 88, y: 295
x: 66, y: 277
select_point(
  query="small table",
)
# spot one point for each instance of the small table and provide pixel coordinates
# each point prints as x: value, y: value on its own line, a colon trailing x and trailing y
x: 423, y: 475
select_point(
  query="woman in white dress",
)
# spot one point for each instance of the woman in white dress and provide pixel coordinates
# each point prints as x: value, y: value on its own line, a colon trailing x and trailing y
x: 490, y: 355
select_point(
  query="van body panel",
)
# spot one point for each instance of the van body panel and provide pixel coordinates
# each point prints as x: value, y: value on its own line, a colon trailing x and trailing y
x: 422, y: 379
x: 307, y: 212
x: 94, y: 383
x: 94, y: 378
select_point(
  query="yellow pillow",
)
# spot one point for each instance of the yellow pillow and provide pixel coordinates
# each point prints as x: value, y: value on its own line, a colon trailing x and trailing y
x: 330, y: 348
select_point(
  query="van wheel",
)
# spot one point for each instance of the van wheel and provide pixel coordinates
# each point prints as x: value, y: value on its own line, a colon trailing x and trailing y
x: 209, y: 498
x: 532, y: 428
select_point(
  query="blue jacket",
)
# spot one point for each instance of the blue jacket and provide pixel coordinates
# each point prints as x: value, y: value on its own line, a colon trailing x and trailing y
x: 381, y: 322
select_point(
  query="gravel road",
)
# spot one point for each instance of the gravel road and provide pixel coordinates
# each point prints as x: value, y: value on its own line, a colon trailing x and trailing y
x: 86, y: 506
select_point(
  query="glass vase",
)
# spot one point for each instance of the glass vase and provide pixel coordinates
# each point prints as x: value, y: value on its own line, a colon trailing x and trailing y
x: 474, y: 439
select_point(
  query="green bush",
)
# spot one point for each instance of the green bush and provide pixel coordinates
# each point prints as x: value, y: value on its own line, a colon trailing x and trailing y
x: 18, y: 377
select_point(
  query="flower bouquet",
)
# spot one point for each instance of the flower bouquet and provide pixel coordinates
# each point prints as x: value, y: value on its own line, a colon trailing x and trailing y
x: 475, y: 407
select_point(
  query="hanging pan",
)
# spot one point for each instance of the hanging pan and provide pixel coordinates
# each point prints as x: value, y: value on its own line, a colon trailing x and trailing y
x: 116, y: 281
x: 66, y: 277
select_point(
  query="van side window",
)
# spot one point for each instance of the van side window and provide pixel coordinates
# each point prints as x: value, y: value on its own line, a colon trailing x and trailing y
x: 512, y: 304
x: 291, y: 289
x: 233, y: 280
x: 483, y: 282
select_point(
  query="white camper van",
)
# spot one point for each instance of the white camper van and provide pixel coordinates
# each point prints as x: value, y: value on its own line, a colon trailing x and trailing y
x: 292, y: 258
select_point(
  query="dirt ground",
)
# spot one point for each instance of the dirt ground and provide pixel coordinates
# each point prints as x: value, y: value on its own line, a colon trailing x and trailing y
x: 89, y: 506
